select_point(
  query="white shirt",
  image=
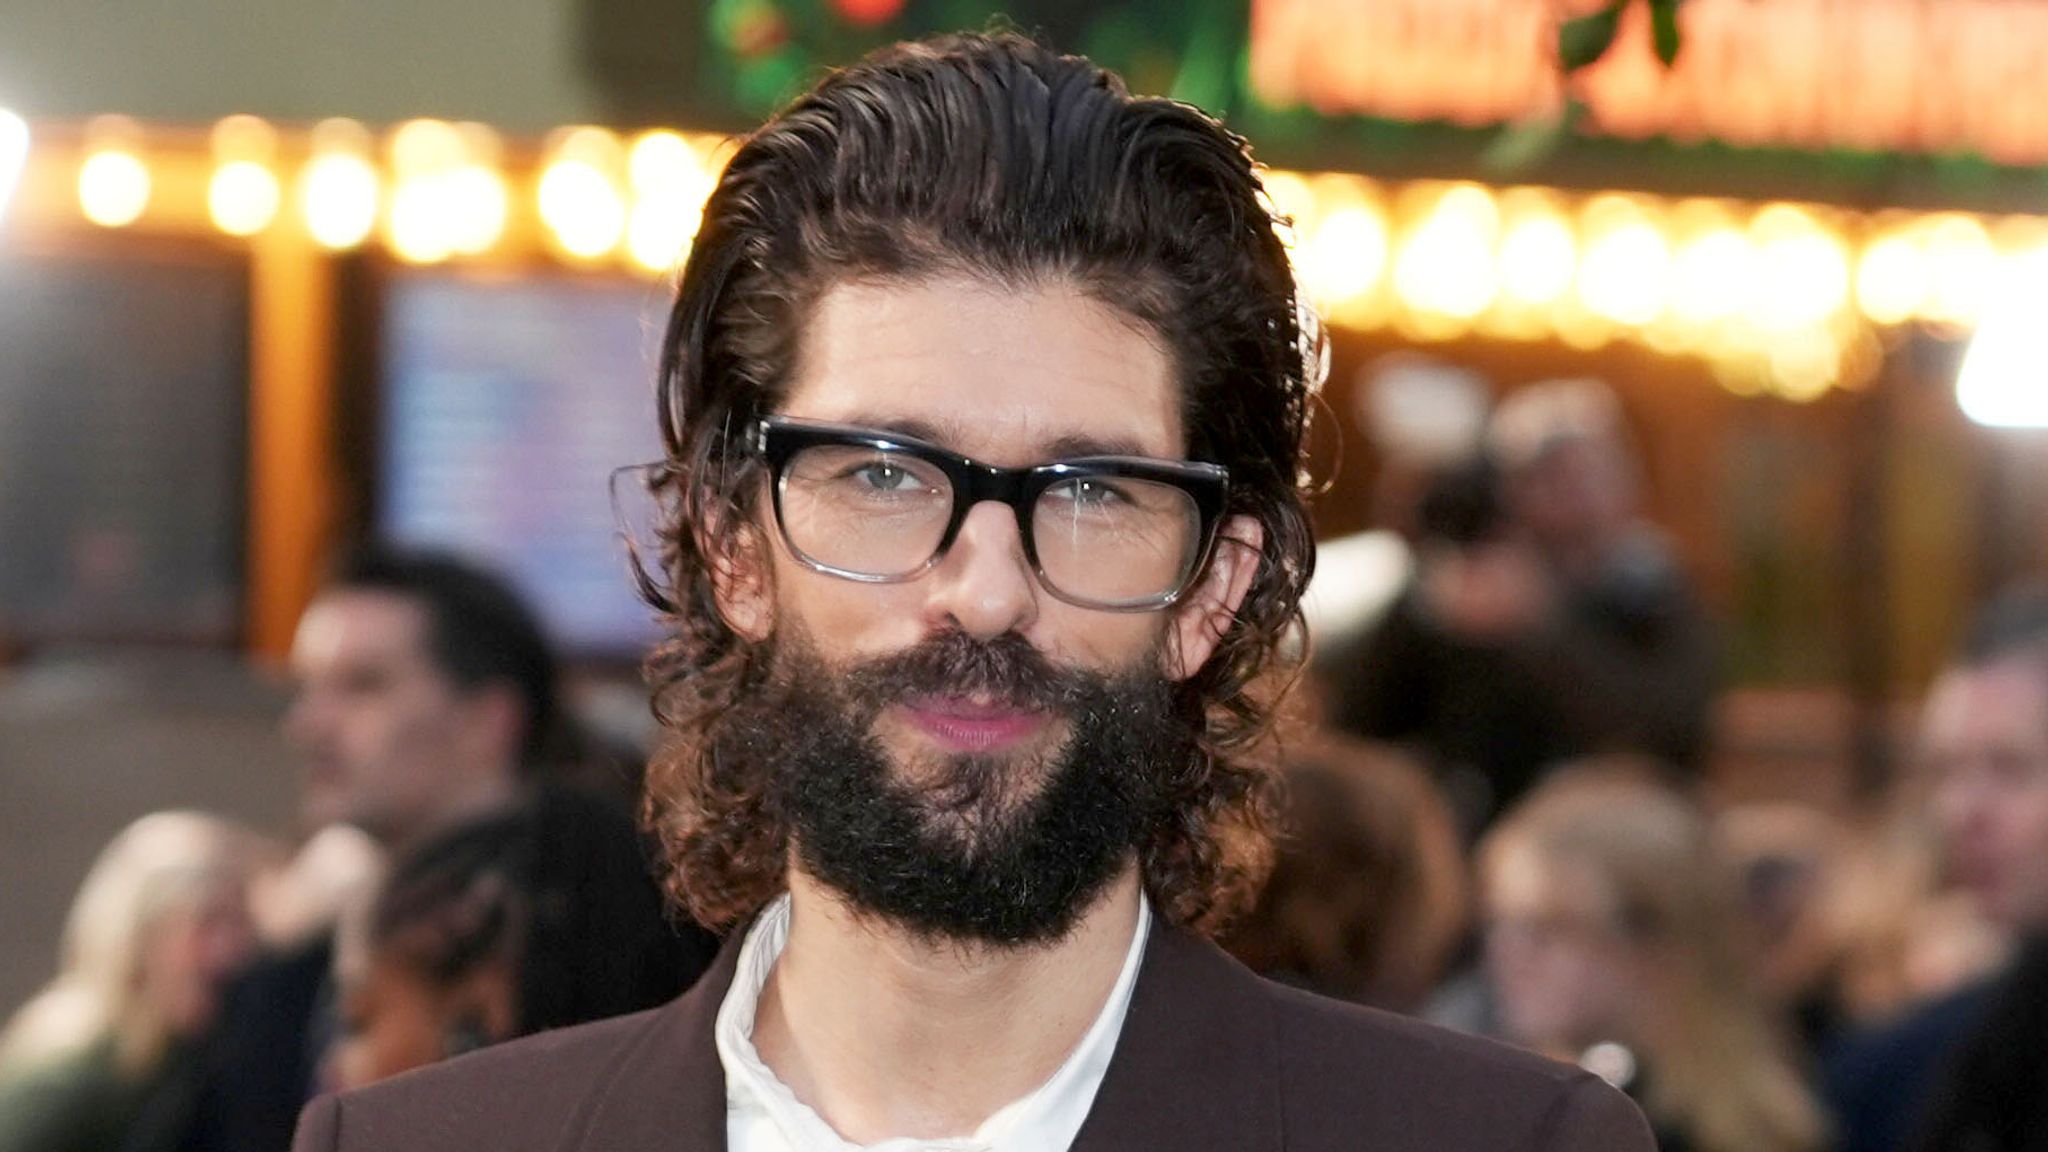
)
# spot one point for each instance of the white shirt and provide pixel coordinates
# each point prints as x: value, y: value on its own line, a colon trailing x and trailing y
x: 763, y: 1115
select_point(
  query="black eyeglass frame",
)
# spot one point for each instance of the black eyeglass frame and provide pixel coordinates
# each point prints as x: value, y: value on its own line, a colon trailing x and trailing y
x: 778, y: 439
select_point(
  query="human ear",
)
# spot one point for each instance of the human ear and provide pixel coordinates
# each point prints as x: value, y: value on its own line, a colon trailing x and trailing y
x: 740, y: 580
x: 1206, y: 612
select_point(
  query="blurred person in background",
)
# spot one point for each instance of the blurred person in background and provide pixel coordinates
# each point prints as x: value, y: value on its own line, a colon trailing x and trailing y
x: 1367, y: 899
x: 1424, y: 418
x: 534, y: 919
x: 1612, y: 940
x: 426, y: 696
x: 1787, y: 859
x: 1546, y: 620
x: 1966, y: 1073
x: 106, y: 1057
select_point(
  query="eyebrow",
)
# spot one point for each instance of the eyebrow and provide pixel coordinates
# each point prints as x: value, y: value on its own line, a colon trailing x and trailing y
x: 1072, y: 445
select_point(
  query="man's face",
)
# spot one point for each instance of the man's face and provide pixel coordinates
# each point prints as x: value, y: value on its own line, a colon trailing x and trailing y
x: 1985, y: 738
x: 378, y: 723
x: 1561, y: 967
x: 1009, y: 377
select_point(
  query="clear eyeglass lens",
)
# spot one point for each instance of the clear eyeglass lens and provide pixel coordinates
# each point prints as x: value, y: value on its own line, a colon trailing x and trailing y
x: 865, y: 510
x: 1115, y: 540
x: 1108, y: 540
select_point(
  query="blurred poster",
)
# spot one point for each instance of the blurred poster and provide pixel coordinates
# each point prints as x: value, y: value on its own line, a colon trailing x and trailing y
x: 123, y: 399
x: 506, y: 404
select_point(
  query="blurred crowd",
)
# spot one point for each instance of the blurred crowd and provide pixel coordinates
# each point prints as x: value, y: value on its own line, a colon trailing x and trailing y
x: 1496, y: 819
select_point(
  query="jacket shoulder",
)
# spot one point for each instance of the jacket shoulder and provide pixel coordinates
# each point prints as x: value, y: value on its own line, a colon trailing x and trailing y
x: 525, y: 1094
x: 1354, y: 1077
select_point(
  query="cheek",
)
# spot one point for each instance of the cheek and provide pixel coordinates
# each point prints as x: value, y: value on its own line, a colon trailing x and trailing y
x: 1100, y: 640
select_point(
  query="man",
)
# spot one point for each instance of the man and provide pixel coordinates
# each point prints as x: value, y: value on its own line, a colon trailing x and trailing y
x: 1964, y: 1072
x: 1545, y: 620
x: 426, y: 697
x: 1987, y: 739
x: 984, y: 394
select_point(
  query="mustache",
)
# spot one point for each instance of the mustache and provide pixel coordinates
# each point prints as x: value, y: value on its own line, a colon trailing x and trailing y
x: 1008, y: 669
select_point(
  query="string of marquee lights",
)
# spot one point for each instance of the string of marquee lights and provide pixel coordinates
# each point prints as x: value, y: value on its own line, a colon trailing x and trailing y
x: 1778, y: 297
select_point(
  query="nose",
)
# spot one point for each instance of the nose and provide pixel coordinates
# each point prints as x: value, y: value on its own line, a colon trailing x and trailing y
x: 984, y: 586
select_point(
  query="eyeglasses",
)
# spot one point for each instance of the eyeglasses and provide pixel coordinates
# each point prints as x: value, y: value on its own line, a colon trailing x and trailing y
x: 1119, y: 533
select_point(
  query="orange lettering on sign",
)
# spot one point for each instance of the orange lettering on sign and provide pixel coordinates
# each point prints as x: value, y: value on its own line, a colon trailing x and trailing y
x: 1904, y: 75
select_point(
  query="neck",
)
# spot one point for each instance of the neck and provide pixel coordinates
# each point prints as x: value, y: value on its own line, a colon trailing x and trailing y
x: 886, y: 1034
x: 469, y: 797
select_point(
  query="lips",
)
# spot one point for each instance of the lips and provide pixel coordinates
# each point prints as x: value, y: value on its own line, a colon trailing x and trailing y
x: 968, y: 725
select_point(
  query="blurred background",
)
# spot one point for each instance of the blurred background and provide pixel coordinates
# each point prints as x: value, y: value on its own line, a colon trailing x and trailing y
x: 1725, y: 313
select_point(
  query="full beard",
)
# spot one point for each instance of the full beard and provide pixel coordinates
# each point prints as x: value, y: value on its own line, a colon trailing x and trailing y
x: 1004, y: 849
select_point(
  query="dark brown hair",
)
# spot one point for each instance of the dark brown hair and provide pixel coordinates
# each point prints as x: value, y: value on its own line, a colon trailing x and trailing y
x: 992, y: 156
x: 1367, y: 899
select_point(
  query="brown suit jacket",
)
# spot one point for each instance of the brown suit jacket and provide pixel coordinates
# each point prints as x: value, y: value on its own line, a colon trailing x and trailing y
x: 1210, y: 1057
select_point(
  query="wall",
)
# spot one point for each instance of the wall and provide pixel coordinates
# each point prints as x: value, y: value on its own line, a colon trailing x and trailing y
x: 511, y: 63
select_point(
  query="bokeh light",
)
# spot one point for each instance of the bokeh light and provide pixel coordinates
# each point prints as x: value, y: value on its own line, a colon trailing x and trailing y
x: 1961, y: 266
x: 1626, y: 271
x: 242, y: 197
x: 1445, y: 264
x: 14, y: 141
x: 670, y: 184
x: 339, y: 189
x: 579, y: 197
x: 113, y: 181
x: 1538, y: 251
x: 1892, y: 277
x: 1802, y: 270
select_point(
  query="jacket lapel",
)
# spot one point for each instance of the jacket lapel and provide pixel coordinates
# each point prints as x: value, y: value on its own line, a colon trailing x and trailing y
x: 666, y: 1090
x: 1197, y: 1064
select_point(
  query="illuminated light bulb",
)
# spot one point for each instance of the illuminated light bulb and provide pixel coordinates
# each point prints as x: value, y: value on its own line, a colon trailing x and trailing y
x: 14, y: 141
x: 1291, y: 198
x: 1446, y: 264
x: 582, y: 208
x: 2002, y: 382
x: 338, y: 197
x: 425, y: 145
x: 1347, y: 255
x: 478, y: 200
x: 1625, y: 274
x: 1713, y: 275
x: 658, y: 236
x: 670, y: 183
x: 1802, y: 270
x: 242, y: 197
x: 339, y: 189
x: 476, y: 203
x: 1537, y: 259
x: 113, y: 187
x: 662, y: 161
x: 419, y: 228
x: 1892, y: 278
x: 579, y: 196
x: 1961, y: 264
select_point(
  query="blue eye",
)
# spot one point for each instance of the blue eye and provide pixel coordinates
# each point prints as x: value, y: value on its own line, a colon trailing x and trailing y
x: 885, y: 476
x: 1088, y: 493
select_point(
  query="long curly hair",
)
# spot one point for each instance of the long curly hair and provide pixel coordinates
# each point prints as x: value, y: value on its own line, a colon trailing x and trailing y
x: 990, y: 155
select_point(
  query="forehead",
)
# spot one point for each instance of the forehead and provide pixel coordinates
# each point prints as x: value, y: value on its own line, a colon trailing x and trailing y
x: 1524, y: 880
x: 1010, y: 375
x: 2006, y: 698
x: 357, y: 625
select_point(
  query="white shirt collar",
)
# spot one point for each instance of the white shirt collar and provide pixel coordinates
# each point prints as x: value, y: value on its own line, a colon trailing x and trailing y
x: 763, y: 1115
